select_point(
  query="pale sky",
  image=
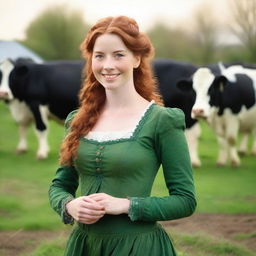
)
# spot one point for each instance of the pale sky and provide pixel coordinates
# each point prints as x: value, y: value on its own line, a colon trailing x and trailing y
x: 15, y: 15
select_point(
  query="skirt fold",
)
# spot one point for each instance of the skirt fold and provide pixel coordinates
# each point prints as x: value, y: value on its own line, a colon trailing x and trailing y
x: 155, y: 242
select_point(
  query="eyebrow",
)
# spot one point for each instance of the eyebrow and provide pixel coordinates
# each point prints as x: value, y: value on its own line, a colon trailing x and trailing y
x: 114, y: 51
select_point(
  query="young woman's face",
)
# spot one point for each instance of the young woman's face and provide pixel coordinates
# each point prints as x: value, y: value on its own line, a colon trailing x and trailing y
x: 113, y: 62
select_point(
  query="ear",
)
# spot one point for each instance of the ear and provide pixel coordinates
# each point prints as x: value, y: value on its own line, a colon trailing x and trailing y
x: 21, y: 71
x: 184, y: 84
x: 219, y: 82
x: 137, y: 59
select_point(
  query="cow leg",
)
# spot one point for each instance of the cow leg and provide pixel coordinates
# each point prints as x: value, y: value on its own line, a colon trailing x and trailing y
x: 232, y: 128
x: 192, y: 135
x: 43, y: 148
x: 23, y: 117
x: 40, y: 114
x: 42, y: 136
x: 223, y: 151
x: 254, y: 142
x: 243, y: 144
x: 217, y: 124
x: 22, y: 145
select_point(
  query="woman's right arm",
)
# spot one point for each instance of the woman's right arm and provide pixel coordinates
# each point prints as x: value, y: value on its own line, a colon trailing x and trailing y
x: 64, y: 184
x: 62, y: 190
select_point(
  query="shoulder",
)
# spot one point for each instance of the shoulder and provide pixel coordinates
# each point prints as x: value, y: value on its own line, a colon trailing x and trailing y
x: 168, y: 118
x: 69, y: 118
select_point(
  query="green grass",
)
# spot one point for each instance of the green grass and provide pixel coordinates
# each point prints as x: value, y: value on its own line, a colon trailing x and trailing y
x: 201, y: 245
x: 243, y: 236
x: 54, y: 247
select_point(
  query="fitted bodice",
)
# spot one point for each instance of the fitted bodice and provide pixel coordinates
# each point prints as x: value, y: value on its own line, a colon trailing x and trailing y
x: 124, y: 161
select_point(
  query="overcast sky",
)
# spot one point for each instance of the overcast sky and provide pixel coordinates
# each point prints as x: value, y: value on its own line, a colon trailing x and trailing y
x: 15, y: 15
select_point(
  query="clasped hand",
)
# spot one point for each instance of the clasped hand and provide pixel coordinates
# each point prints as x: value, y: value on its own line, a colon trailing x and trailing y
x: 89, y: 209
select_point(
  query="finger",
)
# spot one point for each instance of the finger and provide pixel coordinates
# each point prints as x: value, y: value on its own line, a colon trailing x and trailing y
x: 95, y: 197
x: 98, y: 195
x: 89, y: 199
x: 94, y: 213
x: 88, y: 219
x: 89, y: 211
x: 93, y: 204
x: 87, y: 222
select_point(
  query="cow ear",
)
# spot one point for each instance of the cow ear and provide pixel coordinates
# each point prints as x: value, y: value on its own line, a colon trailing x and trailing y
x: 21, y: 71
x: 219, y: 82
x: 184, y: 84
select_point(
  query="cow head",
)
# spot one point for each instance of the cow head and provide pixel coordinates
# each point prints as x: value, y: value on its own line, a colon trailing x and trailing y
x: 6, y: 68
x: 208, y: 88
x: 13, y: 78
x: 19, y: 79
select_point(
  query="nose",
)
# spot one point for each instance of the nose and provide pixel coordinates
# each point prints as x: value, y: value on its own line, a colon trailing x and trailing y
x: 3, y: 95
x: 108, y: 64
x: 198, y: 112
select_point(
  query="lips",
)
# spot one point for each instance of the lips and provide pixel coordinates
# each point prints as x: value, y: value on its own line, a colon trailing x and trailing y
x: 110, y: 77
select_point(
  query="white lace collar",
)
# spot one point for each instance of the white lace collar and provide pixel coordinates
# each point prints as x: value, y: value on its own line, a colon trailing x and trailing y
x: 101, y: 136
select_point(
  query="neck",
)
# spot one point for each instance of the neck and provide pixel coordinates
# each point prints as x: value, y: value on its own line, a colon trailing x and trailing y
x: 118, y: 99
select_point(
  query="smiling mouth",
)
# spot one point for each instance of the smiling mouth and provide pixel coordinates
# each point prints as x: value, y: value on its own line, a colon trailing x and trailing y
x: 110, y: 76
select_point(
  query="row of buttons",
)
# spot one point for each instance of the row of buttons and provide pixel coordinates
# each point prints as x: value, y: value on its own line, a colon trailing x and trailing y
x: 98, y: 158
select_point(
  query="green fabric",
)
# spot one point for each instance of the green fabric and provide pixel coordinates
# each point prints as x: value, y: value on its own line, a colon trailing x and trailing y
x: 126, y: 168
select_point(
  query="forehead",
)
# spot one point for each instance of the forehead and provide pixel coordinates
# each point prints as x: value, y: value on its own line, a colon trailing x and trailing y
x: 6, y: 67
x: 109, y: 42
x: 202, y: 79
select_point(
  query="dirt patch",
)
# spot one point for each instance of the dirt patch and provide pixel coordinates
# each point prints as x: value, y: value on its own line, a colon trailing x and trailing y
x: 239, y: 228
x: 235, y: 228
x: 20, y: 242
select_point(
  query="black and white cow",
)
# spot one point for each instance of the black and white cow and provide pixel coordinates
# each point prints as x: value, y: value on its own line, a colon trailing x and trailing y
x: 228, y: 102
x: 36, y: 92
x: 169, y: 73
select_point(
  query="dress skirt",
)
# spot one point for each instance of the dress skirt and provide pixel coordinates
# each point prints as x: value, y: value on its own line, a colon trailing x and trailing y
x: 118, y: 236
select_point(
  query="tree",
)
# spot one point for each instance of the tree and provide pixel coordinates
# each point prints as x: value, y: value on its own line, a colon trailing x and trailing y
x: 56, y: 33
x: 205, y: 33
x: 169, y: 43
x: 244, y: 15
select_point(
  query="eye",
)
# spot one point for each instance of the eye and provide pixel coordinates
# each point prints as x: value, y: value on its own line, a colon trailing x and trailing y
x: 98, y: 56
x: 119, y: 55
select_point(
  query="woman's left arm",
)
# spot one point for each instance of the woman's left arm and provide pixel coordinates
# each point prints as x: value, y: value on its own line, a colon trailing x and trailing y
x: 172, y: 151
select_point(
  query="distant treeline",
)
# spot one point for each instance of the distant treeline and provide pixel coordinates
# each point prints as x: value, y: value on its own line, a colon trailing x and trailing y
x: 58, y: 32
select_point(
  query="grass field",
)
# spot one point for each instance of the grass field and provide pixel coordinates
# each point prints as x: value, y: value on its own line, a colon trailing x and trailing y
x: 24, y: 183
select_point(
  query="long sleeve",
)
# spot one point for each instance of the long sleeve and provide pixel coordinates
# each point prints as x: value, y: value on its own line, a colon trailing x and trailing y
x: 62, y: 190
x: 172, y: 151
x: 64, y: 185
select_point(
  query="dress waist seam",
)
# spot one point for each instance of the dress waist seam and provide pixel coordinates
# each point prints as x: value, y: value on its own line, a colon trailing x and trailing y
x: 84, y: 229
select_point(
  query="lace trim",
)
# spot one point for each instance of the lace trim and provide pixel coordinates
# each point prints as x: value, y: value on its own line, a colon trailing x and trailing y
x: 109, y: 136
x: 105, y: 136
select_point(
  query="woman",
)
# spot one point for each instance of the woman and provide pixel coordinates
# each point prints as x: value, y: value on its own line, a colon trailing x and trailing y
x: 115, y: 144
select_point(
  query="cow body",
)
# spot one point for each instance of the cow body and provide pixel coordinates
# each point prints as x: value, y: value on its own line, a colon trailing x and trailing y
x: 228, y: 103
x: 37, y: 91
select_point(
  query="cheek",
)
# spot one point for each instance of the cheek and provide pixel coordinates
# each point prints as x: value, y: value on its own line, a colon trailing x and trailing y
x: 95, y: 67
x: 125, y: 66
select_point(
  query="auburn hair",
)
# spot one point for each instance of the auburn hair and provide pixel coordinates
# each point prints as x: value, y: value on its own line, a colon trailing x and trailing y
x: 92, y: 94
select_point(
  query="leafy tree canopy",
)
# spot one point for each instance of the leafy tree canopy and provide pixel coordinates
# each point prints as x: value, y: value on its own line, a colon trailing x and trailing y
x: 57, y: 33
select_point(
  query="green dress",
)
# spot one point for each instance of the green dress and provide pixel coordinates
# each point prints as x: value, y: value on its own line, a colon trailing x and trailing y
x: 126, y: 168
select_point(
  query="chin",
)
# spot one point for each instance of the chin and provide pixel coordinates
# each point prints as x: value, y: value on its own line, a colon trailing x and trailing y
x: 110, y: 86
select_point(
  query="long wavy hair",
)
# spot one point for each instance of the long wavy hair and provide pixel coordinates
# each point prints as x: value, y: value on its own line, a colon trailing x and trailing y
x: 92, y: 95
